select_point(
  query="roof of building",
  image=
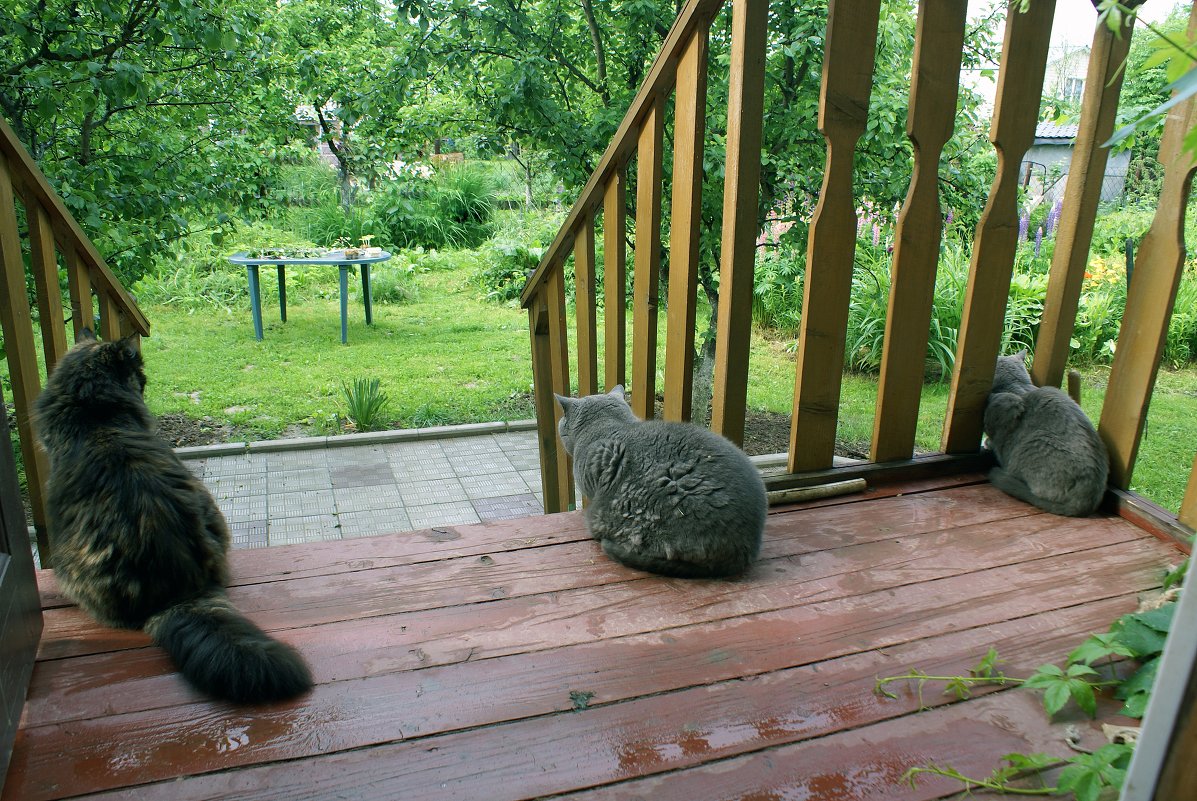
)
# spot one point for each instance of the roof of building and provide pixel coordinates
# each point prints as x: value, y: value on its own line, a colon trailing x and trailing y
x: 1049, y: 130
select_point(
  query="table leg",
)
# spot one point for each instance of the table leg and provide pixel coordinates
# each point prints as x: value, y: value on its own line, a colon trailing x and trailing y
x: 282, y: 293
x: 366, y: 294
x: 344, y: 304
x: 255, y: 299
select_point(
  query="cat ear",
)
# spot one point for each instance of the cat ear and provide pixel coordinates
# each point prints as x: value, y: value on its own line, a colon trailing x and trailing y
x: 564, y: 401
x: 130, y: 350
x: 617, y: 391
x: 86, y: 335
x: 1022, y: 355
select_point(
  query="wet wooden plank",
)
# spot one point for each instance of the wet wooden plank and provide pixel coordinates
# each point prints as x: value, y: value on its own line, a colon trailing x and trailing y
x: 831, y: 242
x: 741, y: 194
x: 803, y: 700
x: 647, y: 259
x: 1016, y: 111
x: 689, y: 130
x: 829, y: 608
x: 939, y: 43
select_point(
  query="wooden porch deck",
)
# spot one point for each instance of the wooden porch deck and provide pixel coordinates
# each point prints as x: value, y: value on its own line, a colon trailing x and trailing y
x: 512, y: 660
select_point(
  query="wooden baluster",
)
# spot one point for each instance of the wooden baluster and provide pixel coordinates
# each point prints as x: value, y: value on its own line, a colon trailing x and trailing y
x: 688, y: 132
x: 647, y: 267
x: 17, y: 325
x: 1188, y: 506
x: 831, y: 243
x: 1082, y: 193
x: 110, y: 317
x: 1149, y: 300
x: 939, y: 43
x: 1016, y: 111
x: 584, y: 304
x: 559, y: 365
x: 615, y: 279
x: 79, y: 284
x: 741, y: 193
x: 43, y: 261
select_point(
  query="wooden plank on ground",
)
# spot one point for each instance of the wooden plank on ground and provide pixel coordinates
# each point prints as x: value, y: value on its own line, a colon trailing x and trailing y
x: 831, y: 242
x: 741, y: 194
x: 1082, y: 193
x: 685, y: 227
x: 647, y: 266
x: 17, y: 326
x: 615, y: 201
x: 43, y: 263
x: 1149, y: 300
x: 585, y: 307
x: 1016, y: 112
x: 939, y: 43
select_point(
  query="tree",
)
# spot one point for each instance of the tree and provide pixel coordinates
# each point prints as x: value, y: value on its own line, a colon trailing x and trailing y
x: 144, y: 115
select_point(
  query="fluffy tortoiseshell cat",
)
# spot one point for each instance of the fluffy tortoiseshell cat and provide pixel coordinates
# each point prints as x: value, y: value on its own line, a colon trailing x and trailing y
x: 1048, y: 453
x: 668, y: 498
x: 138, y: 541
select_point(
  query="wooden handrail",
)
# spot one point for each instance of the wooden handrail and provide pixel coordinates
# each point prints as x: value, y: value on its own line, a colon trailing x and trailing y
x: 52, y: 230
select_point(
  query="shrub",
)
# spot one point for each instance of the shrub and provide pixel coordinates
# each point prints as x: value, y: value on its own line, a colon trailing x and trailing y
x: 507, y: 268
x: 777, y: 290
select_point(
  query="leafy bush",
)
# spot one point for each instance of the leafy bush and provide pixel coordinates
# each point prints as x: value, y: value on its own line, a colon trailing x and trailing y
x: 393, y: 285
x: 366, y: 404
x: 507, y: 268
x: 777, y: 290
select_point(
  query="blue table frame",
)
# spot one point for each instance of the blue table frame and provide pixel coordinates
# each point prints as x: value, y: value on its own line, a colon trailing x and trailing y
x: 334, y: 258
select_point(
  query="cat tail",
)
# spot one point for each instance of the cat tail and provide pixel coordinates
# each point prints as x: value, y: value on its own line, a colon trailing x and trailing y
x: 223, y: 654
x: 1012, y: 485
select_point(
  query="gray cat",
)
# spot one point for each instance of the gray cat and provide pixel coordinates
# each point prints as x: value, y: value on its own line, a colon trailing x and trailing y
x: 668, y: 498
x: 1048, y: 452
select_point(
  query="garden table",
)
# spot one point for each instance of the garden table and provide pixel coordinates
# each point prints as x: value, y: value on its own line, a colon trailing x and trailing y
x: 336, y: 257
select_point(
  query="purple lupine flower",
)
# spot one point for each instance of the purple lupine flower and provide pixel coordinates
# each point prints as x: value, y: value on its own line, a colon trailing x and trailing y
x: 860, y: 223
x: 876, y: 234
x: 951, y: 216
x: 1038, y: 240
x: 1024, y: 222
x: 1053, y: 217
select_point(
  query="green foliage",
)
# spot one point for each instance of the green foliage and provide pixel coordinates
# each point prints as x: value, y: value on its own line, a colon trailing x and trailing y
x: 506, y: 270
x: 365, y: 404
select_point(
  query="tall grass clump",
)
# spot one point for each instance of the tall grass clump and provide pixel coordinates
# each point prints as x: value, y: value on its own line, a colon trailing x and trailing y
x: 365, y: 404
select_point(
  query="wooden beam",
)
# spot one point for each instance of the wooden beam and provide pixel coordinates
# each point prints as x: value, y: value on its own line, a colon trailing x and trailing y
x: 79, y: 285
x: 939, y: 44
x: 1149, y: 300
x: 110, y: 318
x: 33, y: 186
x: 43, y: 262
x: 559, y: 366
x: 1188, y: 506
x: 647, y: 268
x: 1016, y: 112
x: 17, y: 325
x: 689, y: 129
x: 585, y: 307
x: 615, y: 204
x: 741, y: 193
x: 1082, y: 193
x: 658, y: 81
x: 831, y: 243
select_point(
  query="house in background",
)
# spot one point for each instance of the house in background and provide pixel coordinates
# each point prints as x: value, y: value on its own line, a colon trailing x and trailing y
x: 1046, y: 163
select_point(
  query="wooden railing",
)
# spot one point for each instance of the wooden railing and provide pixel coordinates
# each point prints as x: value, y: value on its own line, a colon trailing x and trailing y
x: 850, y: 41
x: 51, y: 232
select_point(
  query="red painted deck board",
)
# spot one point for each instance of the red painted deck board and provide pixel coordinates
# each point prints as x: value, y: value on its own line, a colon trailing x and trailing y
x: 449, y: 662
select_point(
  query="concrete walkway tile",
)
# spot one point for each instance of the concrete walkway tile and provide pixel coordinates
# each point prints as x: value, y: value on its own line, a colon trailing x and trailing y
x: 367, y: 475
x: 494, y: 485
x: 244, y: 508
x: 297, y: 480
x: 422, y: 493
x: 248, y: 534
x: 482, y: 465
x: 294, y: 460
x: 310, y: 528
x: 299, y: 504
x: 242, y: 464
x: 371, y: 523
x: 224, y: 487
x: 471, y: 446
x: 508, y: 507
x: 363, y: 499
x: 442, y: 514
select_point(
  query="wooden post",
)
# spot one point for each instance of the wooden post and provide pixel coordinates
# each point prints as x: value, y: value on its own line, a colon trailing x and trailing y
x: 615, y: 280
x: 1082, y: 193
x: 43, y: 261
x: 110, y: 317
x: 550, y: 372
x: 831, y: 242
x: 1188, y: 506
x: 17, y: 325
x: 554, y: 289
x: 939, y: 43
x: 647, y: 267
x: 585, y: 307
x: 79, y: 284
x: 741, y: 193
x: 689, y: 129
x: 1016, y: 111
